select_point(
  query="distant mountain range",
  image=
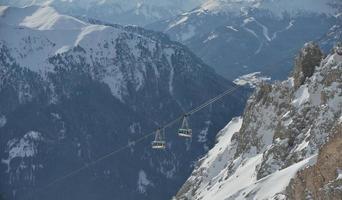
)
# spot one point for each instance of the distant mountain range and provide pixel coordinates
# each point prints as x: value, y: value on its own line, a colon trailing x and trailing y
x: 72, y: 91
x: 238, y: 37
x: 232, y: 36
x: 134, y: 12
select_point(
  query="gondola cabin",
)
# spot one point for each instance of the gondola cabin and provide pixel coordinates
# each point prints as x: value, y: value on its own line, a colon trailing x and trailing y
x: 159, y: 140
x: 185, y: 130
x: 158, y: 145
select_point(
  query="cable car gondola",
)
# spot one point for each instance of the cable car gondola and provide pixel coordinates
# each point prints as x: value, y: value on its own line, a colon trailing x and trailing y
x: 185, y: 130
x: 159, y: 140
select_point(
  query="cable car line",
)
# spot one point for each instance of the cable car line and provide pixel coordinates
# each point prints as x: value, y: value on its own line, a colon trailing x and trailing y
x: 169, y: 124
x: 205, y: 104
x: 213, y: 100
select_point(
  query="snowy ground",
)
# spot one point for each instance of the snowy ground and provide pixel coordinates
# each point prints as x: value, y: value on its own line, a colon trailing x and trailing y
x: 252, y: 79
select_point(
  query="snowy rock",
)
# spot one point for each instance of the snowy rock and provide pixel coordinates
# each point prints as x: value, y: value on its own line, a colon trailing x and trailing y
x: 252, y: 79
x: 281, y: 132
x: 324, y: 179
x: 22, y: 148
x: 309, y: 57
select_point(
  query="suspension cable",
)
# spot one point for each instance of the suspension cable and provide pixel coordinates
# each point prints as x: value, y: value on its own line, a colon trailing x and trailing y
x: 169, y: 124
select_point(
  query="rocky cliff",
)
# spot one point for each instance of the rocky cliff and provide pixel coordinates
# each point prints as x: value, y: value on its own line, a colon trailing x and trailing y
x: 324, y: 179
x: 283, y: 128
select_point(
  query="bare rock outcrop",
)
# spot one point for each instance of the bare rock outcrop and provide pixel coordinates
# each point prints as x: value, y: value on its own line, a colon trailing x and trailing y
x: 324, y: 179
x: 308, y: 58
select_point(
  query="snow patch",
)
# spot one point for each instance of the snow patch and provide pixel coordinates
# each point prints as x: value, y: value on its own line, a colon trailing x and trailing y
x: 46, y: 18
x: 288, y: 122
x: 252, y: 79
x: 301, y: 96
x: 257, y: 37
x: 202, y: 136
x: 87, y: 32
x: 339, y: 174
x: 268, y: 187
x: 115, y: 81
x: 23, y: 147
x: 3, y: 10
x: 216, y: 157
x: 264, y: 31
x: 168, y: 54
x: 286, y: 114
x: 182, y: 20
x: 232, y: 28
x: 302, y: 145
x: 210, y: 37
x: 291, y: 23
x: 143, y: 182
x: 243, y: 181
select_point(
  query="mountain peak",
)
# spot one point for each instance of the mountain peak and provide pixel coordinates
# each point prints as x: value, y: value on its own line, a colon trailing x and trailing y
x: 309, y: 57
x: 38, y: 17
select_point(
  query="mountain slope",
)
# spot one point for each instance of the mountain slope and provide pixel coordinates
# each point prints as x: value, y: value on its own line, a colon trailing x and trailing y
x: 71, y: 92
x: 282, y: 130
x: 235, y: 36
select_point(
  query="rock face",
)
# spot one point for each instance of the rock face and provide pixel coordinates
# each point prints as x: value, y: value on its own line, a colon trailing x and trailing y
x: 281, y: 131
x: 236, y: 36
x: 324, y: 179
x: 310, y: 56
x: 71, y: 92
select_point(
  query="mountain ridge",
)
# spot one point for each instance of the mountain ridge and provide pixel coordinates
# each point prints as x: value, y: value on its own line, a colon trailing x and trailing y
x: 282, y: 130
x: 135, y: 12
x: 69, y: 96
x: 235, y: 38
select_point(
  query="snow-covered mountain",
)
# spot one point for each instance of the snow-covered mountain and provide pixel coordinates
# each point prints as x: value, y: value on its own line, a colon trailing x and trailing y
x: 284, y: 127
x: 71, y: 91
x: 235, y: 36
x: 137, y: 12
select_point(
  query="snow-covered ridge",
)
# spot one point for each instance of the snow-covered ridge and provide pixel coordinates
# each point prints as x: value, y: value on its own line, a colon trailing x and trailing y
x: 33, y: 40
x: 244, y: 7
x: 281, y: 132
x: 135, y: 12
x: 252, y: 29
x: 36, y: 17
x: 275, y: 6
